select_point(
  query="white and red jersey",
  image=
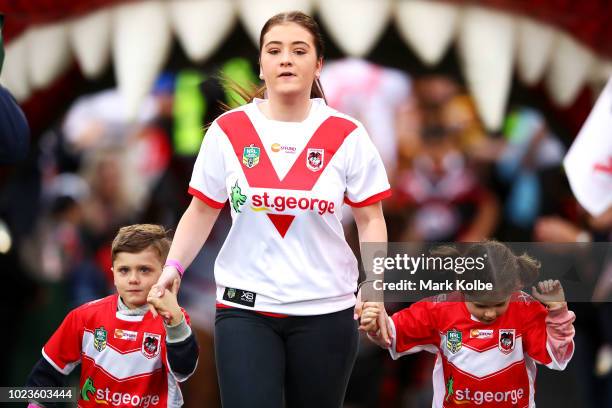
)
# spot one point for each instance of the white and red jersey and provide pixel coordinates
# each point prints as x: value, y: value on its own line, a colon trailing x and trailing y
x: 481, y: 364
x: 123, y: 358
x: 286, y: 183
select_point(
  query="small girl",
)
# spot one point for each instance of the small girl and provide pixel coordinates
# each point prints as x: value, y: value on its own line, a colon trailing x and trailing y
x: 487, y: 343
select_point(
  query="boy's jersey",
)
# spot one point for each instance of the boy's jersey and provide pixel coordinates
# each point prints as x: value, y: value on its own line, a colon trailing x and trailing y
x: 478, y: 364
x: 286, y: 183
x: 123, y: 358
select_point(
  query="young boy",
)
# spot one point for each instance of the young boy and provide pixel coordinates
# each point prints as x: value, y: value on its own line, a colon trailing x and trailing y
x: 128, y: 357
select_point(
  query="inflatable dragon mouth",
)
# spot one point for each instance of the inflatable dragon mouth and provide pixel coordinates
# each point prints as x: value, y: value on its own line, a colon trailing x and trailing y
x: 562, y: 44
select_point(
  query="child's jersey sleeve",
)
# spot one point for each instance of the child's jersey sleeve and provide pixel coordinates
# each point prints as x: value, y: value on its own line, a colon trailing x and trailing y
x: 366, y: 178
x: 412, y: 330
x: 208, y: 177
x: 63, y: 350
x: 548, y: 335
x: 181, y: 357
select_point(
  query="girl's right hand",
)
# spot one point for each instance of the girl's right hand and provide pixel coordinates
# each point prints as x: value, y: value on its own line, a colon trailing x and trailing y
x: 549, y: 292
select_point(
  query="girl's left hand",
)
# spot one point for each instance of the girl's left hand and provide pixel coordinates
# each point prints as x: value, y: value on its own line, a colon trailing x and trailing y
x: 550, y: 292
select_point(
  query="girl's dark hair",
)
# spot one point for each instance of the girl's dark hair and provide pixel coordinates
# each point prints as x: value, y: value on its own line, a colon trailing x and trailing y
x: 304, y: 21
x: 505, y: 270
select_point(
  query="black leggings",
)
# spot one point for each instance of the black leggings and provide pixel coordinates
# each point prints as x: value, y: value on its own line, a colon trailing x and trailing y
x: 295, y: 361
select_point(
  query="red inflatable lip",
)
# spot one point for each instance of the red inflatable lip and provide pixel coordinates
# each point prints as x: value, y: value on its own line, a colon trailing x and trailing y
x: 588, y: 21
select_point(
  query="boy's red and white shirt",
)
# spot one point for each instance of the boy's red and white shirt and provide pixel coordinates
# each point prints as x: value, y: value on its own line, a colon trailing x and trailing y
x: 479, y: 364
x: 123, y: 358
x: 286, y: 183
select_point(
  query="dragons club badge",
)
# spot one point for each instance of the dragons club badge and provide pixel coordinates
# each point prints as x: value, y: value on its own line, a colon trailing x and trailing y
x: 151, y: 345
x: 507, y: 339
x: 314, y: 159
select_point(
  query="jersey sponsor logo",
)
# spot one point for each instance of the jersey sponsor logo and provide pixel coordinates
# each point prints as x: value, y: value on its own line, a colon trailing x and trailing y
x: 100, y: 338
x: 507, y: 339
x: 239, y: 296
x: 280, y: 203
x: 106, y: 397
x: 276, y: 147
x: 151, y: 345
x: 125, y: 334
x: 453, y: 340
x: 481, y: 334
x: 237, y: 198
x: 315, y: 159
x: 478, y: 397
x: 250, y: 156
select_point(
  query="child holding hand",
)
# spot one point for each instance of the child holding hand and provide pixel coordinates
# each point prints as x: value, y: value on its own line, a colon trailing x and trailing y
x: 127, y: 356
x: 487, y: 343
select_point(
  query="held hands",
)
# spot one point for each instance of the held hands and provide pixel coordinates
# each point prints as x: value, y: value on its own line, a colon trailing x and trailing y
x: 369, y: 318
x: 550, y: 293
x: 165, y: 281
x: 373, y: 320
x: 166, y: 305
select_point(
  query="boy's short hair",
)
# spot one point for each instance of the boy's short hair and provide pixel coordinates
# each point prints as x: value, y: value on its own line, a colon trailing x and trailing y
x: 138, y: 237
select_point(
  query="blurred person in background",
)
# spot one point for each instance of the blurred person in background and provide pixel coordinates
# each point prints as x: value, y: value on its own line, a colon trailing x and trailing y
x: 372, y: 94
x: 528, y: 165
x: 440, y: 196
x: 14, y: 129
x: 593, y: 359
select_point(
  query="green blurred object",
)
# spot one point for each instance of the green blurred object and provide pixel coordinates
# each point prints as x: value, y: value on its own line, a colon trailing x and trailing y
x: 1, y: 42
x: 188, y: 110
x: 238, y: 71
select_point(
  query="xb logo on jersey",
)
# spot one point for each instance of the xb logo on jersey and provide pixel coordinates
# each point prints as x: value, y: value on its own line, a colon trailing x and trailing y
x: 250, y: 156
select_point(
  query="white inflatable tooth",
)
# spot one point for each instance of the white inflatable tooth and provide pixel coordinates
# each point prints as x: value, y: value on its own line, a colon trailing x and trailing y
x: 569, y: 68
x: 141, y: 44
x: 355, y: 25
x: 201, y: 25
x: 534, y: 45
x: 90, y: 37
x: 427, y: 26
x: 15, y: 69
x: 48, y: 53
x: 486, y: 46
x: 599, y: 76
x: 255, y: 13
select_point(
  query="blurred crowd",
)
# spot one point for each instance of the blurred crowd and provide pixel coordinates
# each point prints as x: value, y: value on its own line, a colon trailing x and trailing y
x: 452, y: 180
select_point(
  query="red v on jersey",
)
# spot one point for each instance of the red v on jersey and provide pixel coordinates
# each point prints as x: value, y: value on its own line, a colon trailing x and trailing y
x: 328, y: 137
x: 282, y: 222
x: 241, y: 133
